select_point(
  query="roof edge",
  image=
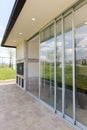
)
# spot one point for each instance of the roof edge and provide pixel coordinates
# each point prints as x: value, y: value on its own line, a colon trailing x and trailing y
x: 18, y: 5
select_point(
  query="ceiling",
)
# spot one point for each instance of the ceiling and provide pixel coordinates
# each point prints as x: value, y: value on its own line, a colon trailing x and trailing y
x: 43, y: 11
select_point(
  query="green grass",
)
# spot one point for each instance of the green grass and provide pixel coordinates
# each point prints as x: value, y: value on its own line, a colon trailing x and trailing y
x: 7, y: 73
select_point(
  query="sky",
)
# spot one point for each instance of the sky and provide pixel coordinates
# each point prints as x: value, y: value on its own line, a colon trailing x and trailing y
x: 5, y: 11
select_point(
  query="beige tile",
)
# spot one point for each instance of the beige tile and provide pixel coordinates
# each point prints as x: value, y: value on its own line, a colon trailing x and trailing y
x: 19, y: 111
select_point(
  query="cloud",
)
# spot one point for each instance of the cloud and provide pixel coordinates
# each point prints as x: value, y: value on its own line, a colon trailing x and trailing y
x: 59, y: 44
x: 83, y: 43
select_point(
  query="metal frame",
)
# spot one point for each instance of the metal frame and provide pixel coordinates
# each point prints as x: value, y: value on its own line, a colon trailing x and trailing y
x: 66, y: 116
x: 63, y: 68
x: 39, y: 67
x: 73, y: 47
x: 55, y: 42
x: 59, y: 19
x: 79, y: 4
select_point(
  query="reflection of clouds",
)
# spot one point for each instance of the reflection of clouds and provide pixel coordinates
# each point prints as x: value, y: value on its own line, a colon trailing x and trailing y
x: 81, y: 52
x: 68, y: 37
x: 68, y: 51
x: 67, y: 43
x: 47, y: 46
x: 68, y: 55
x: 81, y: 49
x: 59, y: 44
x: 82, y: 43
x: 42, y: 58
x: 47, y: 51
x: 44, y: 49
x: 81, y: 35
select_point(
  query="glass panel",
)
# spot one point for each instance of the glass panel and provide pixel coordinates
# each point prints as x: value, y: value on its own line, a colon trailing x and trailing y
x: 17, y: 79
x: 33, y: 65
x: 81, y: 64
x: 47, y: 71
x: 42, y: 70
x: 59, y: 67
x: 68, y: 65
x: 47, y: 33
x: 23, y: 83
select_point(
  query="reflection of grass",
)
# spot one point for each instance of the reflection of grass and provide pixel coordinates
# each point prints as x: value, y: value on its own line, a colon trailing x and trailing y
x: 46, y: 72
x: 68, y: 75
x: 81, y: 75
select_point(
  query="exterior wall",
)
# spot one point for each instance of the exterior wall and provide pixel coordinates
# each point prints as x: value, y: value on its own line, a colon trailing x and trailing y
x: 20, y: 62
x: 70, y: 94
x: 33, y: 56
x: 20, y: 51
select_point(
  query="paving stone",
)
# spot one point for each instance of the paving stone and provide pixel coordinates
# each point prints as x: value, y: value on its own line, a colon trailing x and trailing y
x: 20, y: 111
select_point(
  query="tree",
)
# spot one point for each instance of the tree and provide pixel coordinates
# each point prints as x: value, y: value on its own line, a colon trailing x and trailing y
x: 11, y: 55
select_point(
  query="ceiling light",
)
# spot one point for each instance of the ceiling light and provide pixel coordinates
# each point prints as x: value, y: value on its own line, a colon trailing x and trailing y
x: 20, y: 33
x: 33, y: 19
x: 86, y: 23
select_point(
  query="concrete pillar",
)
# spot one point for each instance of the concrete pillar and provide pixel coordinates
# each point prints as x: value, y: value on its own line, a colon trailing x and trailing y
x: 25, y: 65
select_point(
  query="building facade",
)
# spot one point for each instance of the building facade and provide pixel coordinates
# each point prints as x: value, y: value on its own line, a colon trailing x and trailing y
x: 52, y: 62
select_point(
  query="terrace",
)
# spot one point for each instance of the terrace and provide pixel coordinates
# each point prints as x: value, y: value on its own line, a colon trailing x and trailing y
x: 20, y: 111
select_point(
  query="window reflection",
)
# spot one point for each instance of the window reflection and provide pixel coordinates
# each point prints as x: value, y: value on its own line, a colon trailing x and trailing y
x: 68, y: 66
x: 81, y: 72
x: 47, y: 71
x: 59, y: 68
x: 81, y: 65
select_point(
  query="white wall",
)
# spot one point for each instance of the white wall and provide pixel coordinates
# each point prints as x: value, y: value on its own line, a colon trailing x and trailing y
x: 33, y: 49
x: 20, y: 51
x: 33, y: 54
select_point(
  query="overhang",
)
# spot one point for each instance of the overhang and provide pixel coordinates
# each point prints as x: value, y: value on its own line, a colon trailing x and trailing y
x: 29, y: 16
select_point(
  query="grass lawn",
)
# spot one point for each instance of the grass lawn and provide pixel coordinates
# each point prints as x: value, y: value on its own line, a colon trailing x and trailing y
x: 7, y: 73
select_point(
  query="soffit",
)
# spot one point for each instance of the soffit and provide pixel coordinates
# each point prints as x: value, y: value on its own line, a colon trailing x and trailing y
x: 43, y: 11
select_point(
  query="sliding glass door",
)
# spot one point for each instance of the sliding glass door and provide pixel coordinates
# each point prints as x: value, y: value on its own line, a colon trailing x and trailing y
x: 68, y: 59
x: 47, y: 66
x: 59, y: 66
x: 81, y: 64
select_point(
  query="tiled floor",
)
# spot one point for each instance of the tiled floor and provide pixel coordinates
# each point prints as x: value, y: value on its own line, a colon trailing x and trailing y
x: 19, y: 111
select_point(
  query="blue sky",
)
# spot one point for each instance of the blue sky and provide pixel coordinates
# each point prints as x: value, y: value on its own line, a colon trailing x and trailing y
x: 5, y: 11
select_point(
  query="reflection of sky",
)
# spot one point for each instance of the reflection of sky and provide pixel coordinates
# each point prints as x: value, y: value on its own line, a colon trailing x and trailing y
x: 81, y: 45
x: 59, y: 48
x: 81, y: 34
x: 68, y: 40
x: 47, y: 50
x: 68, y: 46
x: 59, y: 40
x: 81, y: 42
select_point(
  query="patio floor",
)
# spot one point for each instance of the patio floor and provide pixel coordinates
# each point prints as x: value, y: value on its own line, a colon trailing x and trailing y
x: 20, y: 111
